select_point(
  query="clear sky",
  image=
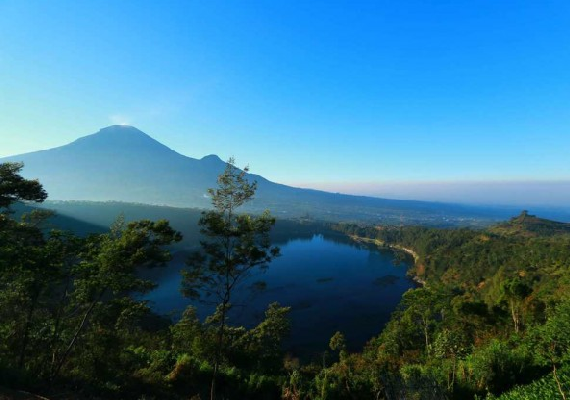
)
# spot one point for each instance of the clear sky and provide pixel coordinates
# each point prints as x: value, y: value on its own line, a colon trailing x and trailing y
x: 340, y: 95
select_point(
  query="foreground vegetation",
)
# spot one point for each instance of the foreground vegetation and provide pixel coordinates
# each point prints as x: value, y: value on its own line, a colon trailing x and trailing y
x: 492, y: 319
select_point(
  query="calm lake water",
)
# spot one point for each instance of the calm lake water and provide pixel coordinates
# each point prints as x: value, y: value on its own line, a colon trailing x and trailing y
x: 331, y: 286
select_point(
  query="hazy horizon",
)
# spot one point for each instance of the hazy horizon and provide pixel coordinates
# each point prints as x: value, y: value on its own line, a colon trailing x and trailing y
x: 516, y: 193
x: 500, y: 193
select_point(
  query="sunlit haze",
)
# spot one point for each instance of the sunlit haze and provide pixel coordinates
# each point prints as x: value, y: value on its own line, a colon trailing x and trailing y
x: 515, y: 193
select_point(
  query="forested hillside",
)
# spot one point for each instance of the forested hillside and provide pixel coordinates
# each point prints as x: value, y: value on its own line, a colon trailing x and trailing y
x: 492, y: 317
x: 493, y: 311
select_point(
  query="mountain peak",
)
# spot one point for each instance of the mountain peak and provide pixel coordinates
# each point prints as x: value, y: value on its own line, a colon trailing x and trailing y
x: 212, y: 158
x: 121, y: 130
x: 118, y: 126
x: 119, y: 138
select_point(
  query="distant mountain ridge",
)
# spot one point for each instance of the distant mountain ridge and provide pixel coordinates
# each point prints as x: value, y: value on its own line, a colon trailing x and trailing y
x: 122, y: 163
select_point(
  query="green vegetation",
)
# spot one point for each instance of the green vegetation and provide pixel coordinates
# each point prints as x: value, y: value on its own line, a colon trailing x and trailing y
x: 542, y: 389
x: 494, y: 311
x: 73, y: 322
x: 236, y: 245
x: 492, y: 319
x: 531, y: 226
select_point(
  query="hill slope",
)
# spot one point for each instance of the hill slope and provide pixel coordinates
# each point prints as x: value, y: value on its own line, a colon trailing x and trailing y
x: 531, y: 226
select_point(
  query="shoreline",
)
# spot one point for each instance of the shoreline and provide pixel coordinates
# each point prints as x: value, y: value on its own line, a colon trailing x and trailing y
x: 382, y: 244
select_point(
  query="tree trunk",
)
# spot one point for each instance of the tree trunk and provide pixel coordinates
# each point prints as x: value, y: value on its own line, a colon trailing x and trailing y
x: 57, y: 324
x: 426, y: 335
x: 515, y: 316
x: 558, y: 381
x: 219, y: 347
x: 27, y: 326
x: 225, y: 302
x: 75, y: 336
x: 453, y: 372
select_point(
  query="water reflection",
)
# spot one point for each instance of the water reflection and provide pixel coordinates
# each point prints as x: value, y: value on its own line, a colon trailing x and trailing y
x: 330, y: 282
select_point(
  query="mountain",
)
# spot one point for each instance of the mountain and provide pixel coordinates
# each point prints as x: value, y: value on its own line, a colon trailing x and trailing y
x: 122, y: 163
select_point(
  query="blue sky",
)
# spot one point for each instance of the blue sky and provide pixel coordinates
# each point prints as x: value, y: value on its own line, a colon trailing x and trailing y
x: 347, y: 96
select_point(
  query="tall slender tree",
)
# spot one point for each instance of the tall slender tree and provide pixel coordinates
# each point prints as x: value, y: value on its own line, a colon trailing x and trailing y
x: 234, y: 246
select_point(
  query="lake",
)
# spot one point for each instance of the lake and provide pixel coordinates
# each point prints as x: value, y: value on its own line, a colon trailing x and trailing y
x: 331, y: 284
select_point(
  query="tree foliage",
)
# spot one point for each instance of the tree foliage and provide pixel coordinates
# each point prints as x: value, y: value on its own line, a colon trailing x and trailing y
x: 235, y: 244
x: 14, y: 187
x: 492, y: 314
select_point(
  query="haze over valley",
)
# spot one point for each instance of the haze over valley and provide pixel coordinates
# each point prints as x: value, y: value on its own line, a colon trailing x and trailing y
x: 122, y: 163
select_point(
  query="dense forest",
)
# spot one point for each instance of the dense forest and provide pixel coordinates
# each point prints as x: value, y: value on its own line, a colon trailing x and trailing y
x: 490, y: 320
x: 493, y: 311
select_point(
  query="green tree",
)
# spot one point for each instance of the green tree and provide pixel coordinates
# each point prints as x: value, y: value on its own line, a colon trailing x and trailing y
x: 451, y: 344
x: 262, y: 344
x: 338, y: 343
x: 423, y: 308
x: 14, y: 187
x: 105, y: 278
x: 552, y: 341
x: 235, y: 244
x: 515, y: 291
x: 28, y: 264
